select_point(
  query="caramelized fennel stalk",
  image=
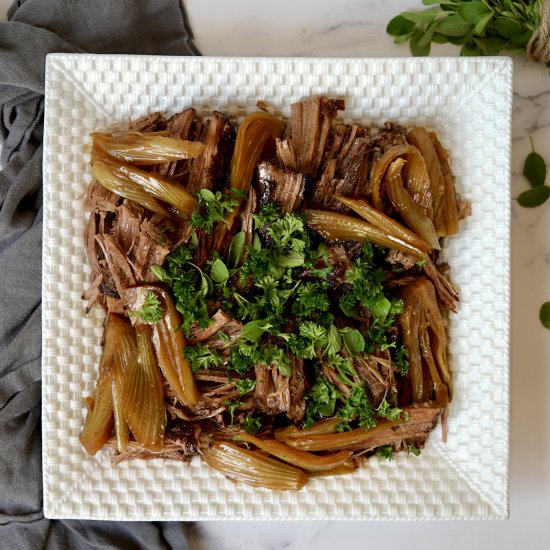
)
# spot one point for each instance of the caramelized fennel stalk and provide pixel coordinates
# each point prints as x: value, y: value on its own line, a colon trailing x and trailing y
x: 424, y: 336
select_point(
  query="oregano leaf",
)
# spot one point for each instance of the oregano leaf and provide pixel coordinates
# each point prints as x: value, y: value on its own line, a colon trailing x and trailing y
x: 454, y: 26
x: 534, y: 197
x: 236, y: 249
x: 399, y: 26
x: 473, y: 12
x: 218, y: 271
x: 544, y: 315
x: 470, y: 49
x: 482, y: 23
x: 426, y: 16
x: 507, y: 27
x: 534, y: 168
x: 427, y: 38
x: 416, y: 49
x: 207, y: 195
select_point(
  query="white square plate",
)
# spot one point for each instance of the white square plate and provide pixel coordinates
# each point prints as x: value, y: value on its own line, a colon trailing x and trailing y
x: 467, y: 101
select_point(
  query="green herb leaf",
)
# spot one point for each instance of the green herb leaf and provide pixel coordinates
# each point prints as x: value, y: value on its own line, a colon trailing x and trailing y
x: 385, y: 410
x: 507, y: 27
x: 254, y: 329
x: 190, y: 288
x: 520, y: 41
x: 402, y: 39
x: 161, y: 274
x: 353, y: 340
x: 495, y: 44
x: 356, y: 408
x: 273, y: 355
x: 482, y: 23
x: 251, y: 424
x: 207, y: 195
x: 311, y: 298
x: 207, y: 286
x: 417, y: 49
x: 245, y: 385
x: 534, y: 197
x: 470, y: 49
x: 211, y: 209
x: 413, y: 450
x: 202, y: 357
x: 345, y: 368
x: 399, y: 26
x: 150, y: 311
x: 473, y: 12
x: 291, y: 259
x: 312, y: 337
x: 401, y: 361
x: 482, y: 27
x: 232, y: 406
x: 425, y: 40
x: 240, y: 362
x: 320, y: 401
x: 439, y: 38
x: 236, y: 249
x: 544, y: 315
x: 386, y: 452
x: 218, y: 271
x: 256, y: 242
x: 454, y: 26
x: 334, y: 344
x: 534, y: 168
x: 425, y: 16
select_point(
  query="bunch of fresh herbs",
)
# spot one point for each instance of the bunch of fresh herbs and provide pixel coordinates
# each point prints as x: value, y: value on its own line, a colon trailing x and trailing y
x: 479, y: 27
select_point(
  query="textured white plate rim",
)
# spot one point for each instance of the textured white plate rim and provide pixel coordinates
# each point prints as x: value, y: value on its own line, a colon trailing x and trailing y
x: 54, y: 506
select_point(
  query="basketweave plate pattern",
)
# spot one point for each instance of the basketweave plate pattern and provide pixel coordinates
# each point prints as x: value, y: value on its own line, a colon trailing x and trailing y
x: 467, y: 101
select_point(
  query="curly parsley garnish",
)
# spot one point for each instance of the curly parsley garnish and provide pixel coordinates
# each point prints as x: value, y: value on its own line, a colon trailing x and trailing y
x: 151, y: 310
x: 190, y: 287
x: 201, y: 357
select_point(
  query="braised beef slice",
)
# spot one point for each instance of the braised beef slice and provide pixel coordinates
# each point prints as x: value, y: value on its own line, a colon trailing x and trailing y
x: 100, y: 199
x: 309, y: 126
x: 280, y: 186
x: 209, y: 171
x: 184, y: 434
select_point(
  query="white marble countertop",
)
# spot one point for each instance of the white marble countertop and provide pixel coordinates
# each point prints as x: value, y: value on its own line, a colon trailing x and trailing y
x: 356, y: 28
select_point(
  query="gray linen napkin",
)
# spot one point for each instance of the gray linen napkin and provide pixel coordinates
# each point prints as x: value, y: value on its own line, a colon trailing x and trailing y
x: 34, y: 29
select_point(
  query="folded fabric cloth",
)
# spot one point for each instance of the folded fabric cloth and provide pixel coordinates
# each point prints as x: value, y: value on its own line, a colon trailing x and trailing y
x: 34, y: 29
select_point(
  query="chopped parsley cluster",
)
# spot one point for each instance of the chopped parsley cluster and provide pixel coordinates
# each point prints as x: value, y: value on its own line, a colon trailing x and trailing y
x: 282, y: 288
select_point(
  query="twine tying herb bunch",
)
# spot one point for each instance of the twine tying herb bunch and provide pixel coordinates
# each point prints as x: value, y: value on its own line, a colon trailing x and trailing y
x: 480, y: 27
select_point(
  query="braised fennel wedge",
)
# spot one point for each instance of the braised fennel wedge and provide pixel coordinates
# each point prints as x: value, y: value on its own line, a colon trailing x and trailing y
x: 274, y: 301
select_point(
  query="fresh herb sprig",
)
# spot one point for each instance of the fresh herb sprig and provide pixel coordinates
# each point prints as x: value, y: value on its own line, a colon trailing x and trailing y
x: 151, y: 310
x: 201, y: 357
x: 212, y: 208
x: 251, y: 424
x: 190, y: 287
x: 534, y: 171
x: 480, y: 27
